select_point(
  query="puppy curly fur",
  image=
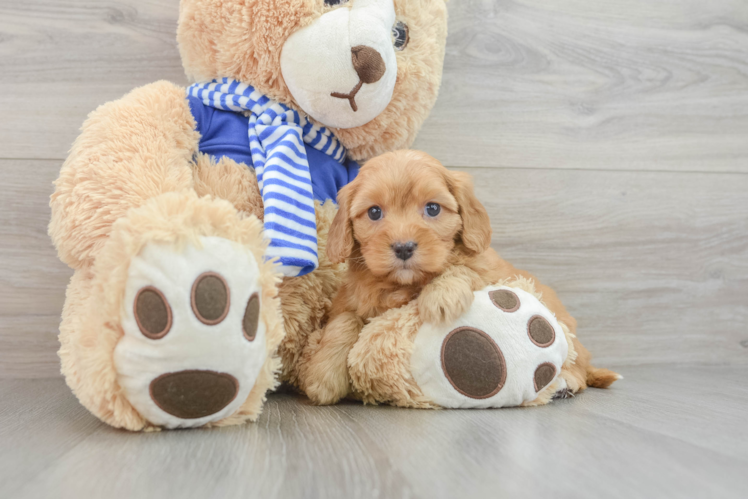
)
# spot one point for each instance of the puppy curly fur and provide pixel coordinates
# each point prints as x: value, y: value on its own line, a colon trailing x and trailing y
x: 365, y: 348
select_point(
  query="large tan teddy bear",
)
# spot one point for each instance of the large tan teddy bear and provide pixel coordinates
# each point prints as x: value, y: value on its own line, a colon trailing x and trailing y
x: 197, y: 223
x: 196, y: 219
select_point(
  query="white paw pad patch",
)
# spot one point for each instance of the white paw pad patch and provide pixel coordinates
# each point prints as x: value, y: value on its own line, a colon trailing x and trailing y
x: 194, y: 341
x: 502, y: 352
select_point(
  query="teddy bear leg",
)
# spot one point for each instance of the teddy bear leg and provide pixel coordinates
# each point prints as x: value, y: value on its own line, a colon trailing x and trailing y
x: 506, y: 350
x: 577, y: 373
x: 182, y: 321
x: 129, y: 151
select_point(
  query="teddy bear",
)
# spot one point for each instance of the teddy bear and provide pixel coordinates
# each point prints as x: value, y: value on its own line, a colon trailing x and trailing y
x: 196, y: 219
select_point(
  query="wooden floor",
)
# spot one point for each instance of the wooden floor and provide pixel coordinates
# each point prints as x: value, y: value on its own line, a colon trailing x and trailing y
x: 609, y: 142
x: 661, y: 432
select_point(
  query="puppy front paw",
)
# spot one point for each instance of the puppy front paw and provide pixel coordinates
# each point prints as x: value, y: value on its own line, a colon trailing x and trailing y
x: 444, y: 302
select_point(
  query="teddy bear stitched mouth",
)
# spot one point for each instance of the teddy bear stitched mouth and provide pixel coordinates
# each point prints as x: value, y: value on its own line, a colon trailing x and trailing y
x: 351, y: 96
x: 370, y: 68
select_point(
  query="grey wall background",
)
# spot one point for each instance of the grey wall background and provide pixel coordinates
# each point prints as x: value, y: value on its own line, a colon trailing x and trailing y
x: 608, y: 139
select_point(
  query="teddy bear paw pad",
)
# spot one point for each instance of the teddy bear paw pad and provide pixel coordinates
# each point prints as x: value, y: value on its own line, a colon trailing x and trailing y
x: 194, y: 340
x: 502, y: 352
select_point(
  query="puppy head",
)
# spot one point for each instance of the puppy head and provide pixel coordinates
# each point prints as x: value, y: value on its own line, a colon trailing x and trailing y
x: 406, y: 212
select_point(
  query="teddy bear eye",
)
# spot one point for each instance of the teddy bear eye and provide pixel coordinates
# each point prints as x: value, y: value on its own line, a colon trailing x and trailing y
x: 400, y: 35
x: 331, y: 3
x: 433, y: 209
x: 375, y: 213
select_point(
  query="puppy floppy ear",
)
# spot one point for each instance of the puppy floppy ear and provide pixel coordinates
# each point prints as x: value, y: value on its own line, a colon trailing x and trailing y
x: 476, y: 226
x: 340, y: 236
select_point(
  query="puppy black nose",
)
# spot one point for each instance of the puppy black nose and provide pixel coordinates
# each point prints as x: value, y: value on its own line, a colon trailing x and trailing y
x: 404, y: 251
x: 368, y: 64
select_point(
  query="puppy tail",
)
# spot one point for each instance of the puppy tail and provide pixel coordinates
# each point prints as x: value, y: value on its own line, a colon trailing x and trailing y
x: 601, y: 377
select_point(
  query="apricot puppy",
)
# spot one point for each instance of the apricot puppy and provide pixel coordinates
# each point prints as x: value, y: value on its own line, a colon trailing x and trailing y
x: 410, y: 229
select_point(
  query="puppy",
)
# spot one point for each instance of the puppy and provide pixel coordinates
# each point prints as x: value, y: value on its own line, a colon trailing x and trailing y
x: 410, y: 229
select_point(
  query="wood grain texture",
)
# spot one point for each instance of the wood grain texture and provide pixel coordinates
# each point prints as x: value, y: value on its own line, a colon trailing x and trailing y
x: 641, y: 438
x: 654, y: 265
x: 527, y: 84
x: 634, y: 85
x: 33, y: 278
x: 61, y: 60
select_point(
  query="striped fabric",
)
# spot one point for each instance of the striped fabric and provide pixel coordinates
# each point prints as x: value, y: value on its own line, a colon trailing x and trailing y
x: 277, y: 138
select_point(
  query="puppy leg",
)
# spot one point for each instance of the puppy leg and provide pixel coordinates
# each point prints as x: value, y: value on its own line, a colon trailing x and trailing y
x: 324, y: 374
x: 449, y: 295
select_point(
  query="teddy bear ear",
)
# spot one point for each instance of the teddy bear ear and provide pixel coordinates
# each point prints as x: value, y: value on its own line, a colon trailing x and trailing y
x: 197, y: 37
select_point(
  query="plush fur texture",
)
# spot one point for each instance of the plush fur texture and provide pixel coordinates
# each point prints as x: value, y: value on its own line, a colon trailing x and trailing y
x: 97, y: 189
x: 91, y: 328
x: 129, y: 151
x: 307, y: 300
x: 243, y: 39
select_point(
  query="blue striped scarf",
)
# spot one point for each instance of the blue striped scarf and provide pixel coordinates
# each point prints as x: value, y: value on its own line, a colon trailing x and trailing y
x: 277, y: 135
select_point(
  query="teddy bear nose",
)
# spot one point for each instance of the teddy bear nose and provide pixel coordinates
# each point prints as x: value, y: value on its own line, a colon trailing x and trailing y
x: 194, y: 393
x: 368, y: 63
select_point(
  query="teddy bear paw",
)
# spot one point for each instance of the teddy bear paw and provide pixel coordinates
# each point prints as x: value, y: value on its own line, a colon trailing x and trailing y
x: 502, y: 352
x: 194, y: 339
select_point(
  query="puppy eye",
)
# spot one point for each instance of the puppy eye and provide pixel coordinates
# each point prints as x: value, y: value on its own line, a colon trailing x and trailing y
x: 400, y: 35
x: 433, y: 209
x: 331, y: 3
x: 375, y: 213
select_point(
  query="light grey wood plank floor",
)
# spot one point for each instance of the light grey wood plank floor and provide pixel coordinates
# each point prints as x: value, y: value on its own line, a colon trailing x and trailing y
x: 604, y: 84
x: 662, y: 431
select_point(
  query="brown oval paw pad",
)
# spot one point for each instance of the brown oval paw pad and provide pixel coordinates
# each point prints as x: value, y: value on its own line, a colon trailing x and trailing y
x: 506, y: 300
x: 152, y: 312
x: 251, y: 317
x: 210, y: 298
x: 193, y: 393
x: 473, y: 363
x: 544, y: 375
x: 540, y: 331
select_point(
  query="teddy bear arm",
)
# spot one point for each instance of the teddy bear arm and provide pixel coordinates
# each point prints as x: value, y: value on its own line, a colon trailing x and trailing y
x: 228, y: 180
x: 129, y: 151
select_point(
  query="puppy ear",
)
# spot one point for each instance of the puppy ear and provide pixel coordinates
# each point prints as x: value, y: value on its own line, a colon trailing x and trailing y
x: 476, y: 226
x: 340, y: 236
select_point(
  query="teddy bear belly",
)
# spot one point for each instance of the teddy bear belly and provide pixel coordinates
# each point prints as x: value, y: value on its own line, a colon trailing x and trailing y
x: 502, y: 352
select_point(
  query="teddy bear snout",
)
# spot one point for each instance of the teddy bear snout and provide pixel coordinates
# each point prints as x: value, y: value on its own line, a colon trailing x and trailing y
x: 192, y: 394
x: 368, y: 63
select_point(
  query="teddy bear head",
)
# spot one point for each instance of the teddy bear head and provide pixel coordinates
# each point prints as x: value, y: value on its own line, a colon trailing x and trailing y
x: 368, y: 69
